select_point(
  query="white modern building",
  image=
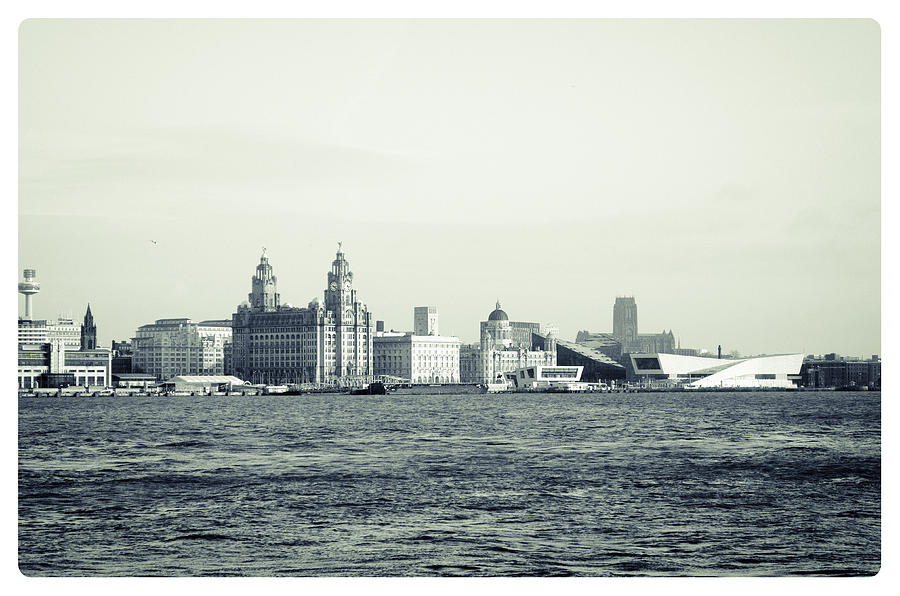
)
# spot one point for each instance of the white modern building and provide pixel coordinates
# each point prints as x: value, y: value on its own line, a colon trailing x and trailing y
x: 694, y: 372
x: 567, y: 378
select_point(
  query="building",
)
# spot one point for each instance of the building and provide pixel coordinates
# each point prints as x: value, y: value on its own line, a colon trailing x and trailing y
x: 470, y: 369
x: 171, y: 347
x: 88, y: 331
x: 423, y: 356
x: 327, y: 342
x: 537, y: 378
x: 425, y: 320
x: 40, y: 331
x: 625, y: 338
x: 122, y: 354
x: 504, y: 346
x: 133, y: 380
x: 53, y: 353
x: 833, y: 372
x: 422, y: 359
x: 625, y: 323
x: 598, y: 366
x: 671, y: 370
x: 51, y: 364
x: 604, y: 343
x: 202, y: 383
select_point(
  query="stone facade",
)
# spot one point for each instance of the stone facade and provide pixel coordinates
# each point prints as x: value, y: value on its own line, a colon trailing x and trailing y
x: 504, y: 346
x: 328, y: 342
x: 423, y: 359
x: 172, y: 347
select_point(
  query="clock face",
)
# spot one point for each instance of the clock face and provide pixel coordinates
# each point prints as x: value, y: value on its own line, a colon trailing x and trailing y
x: 347, y: 285
x: 333, y: 286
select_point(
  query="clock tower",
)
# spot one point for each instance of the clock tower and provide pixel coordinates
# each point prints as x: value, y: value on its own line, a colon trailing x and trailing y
x: 263, y: 296
x: 352, y: 322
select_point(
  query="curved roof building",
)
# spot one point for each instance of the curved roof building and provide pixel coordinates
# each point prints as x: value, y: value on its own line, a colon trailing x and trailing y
x: 694, y: 372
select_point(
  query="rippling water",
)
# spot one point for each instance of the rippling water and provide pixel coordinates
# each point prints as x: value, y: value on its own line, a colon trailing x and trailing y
x: 553, y: 484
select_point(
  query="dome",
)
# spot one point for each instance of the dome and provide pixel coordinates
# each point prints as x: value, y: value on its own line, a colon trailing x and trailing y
x: 498, y: 315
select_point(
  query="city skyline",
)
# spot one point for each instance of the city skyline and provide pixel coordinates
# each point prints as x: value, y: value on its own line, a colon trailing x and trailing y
x: 733, y: 193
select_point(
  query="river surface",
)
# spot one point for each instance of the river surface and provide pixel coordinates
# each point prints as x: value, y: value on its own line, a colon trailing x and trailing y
x: 411, y: 485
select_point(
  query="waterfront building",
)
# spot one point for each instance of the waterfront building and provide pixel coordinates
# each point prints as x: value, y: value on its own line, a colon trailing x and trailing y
x: 122, y: 354
x: 834, y: 372
x: 327, y: 342
x: 671, y: 370
x: 170, y: 347
x: 544, y: 378
x: 604, y: 343
x: 425, y: 320
x: 420, y: 358
x: 504, y: 346
x: 470, y: 364
x: 133, y: 380
x: 88, y: 331
x: 202, y: 383
x: 598, y: 366
x: 52, y: 364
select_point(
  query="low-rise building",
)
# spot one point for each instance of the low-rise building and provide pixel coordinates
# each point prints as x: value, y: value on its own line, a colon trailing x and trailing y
x: 52, y: 365
x: 423, y: 359
x: 203, y: 383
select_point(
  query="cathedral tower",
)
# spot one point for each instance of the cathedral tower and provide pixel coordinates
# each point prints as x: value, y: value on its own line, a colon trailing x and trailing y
x: 625, y: 325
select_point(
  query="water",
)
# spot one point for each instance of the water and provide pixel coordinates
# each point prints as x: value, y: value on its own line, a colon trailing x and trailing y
x: 553, y: 484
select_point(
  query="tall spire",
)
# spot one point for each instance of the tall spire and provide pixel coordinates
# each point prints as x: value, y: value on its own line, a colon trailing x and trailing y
x: 88, y: 331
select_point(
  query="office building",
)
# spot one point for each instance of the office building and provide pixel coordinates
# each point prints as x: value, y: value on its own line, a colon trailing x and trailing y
x: 171, y: 347
x: 52, y: 364
x: 328, y: 342
x: 427, y: 359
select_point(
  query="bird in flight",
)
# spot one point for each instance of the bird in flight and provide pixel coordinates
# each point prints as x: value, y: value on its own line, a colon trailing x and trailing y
x: 153, y: 241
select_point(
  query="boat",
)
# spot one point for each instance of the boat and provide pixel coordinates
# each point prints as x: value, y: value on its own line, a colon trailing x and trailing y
x: 502, y: 387
x: 376, y: 388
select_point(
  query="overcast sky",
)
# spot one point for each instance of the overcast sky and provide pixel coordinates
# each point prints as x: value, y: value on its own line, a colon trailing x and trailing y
x: 725, y: 173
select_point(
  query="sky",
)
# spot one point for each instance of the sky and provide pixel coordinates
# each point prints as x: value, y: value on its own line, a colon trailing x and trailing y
x: 724, y: 173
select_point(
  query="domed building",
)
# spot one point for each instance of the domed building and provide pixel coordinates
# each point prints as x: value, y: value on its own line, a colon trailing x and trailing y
x: 504, y: 346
